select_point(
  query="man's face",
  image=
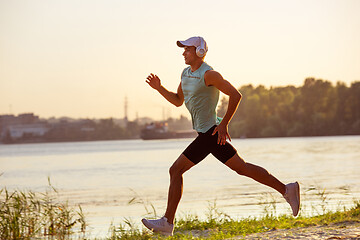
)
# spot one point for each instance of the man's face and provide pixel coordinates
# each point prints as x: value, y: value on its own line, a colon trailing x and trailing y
x: 190, y: 54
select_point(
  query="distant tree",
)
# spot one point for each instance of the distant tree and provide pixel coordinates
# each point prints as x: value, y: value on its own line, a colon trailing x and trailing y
x: 315, y: 109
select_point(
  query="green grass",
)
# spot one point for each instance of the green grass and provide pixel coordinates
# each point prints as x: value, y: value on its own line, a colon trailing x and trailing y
x: 253, y: 225
x: 29, y: 215
x: 220, y: 226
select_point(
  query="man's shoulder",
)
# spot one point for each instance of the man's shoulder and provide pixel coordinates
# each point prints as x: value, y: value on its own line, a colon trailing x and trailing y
x: 212, y: 73
x: 211, y: 77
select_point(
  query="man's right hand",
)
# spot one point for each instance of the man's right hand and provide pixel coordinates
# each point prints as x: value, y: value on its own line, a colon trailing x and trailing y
x: 153, y: 81
x: 175, y: 98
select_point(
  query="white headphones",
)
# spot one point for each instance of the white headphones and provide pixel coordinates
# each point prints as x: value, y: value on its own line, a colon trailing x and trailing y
x: 202, y: 49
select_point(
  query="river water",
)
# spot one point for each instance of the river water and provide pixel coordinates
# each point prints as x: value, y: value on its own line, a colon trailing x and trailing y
x: 104, y: 176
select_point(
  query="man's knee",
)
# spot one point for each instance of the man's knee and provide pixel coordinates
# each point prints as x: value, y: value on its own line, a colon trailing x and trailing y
x: 172, y: 170
x: 180, y: 166
x: 175, y: 171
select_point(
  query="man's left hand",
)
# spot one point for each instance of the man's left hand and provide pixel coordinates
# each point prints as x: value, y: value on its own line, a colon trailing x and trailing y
x: 223, y: 133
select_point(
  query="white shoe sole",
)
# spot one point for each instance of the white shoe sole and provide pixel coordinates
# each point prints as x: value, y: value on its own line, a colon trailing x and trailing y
x: 146, y: 224
x: 297, y: 197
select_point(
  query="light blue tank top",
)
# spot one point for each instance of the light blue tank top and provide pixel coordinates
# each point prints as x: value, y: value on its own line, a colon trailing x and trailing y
x: 200, y: 100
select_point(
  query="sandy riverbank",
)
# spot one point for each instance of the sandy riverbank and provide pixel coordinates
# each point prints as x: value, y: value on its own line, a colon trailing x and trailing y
x: 343, y: 230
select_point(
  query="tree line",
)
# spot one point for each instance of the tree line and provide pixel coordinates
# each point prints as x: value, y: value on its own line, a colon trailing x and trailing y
x: 318, y: 108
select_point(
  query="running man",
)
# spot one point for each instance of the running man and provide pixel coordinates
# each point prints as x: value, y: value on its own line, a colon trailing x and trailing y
x: 199, y: 88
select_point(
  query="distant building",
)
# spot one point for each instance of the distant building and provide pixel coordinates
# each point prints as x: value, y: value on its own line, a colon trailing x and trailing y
x: 26, y: 118
x: 16, y: 132
x: 25, y: 125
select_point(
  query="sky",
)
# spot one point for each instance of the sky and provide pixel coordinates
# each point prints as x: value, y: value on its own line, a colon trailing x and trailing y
x: 82, y: 59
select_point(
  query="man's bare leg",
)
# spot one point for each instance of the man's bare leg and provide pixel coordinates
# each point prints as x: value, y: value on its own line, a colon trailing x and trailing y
x: 180, y: 166
x: 255, y: 172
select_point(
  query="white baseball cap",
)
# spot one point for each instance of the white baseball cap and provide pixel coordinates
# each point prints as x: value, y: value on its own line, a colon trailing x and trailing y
x: 198, y: 42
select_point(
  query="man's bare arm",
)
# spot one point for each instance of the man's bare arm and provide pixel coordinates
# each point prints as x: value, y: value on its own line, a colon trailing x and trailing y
x: 213, y: 78
x: 175, y: 98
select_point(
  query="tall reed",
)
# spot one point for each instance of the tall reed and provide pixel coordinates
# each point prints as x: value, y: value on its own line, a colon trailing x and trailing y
x: 28, y: 215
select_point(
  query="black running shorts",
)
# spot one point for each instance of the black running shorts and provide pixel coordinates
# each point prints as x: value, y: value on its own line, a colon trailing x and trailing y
x: 206, y: 143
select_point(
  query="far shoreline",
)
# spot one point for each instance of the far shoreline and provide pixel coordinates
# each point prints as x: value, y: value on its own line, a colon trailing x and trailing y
x: 147, y: 140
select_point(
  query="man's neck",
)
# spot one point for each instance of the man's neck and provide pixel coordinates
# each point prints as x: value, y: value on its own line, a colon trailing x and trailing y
x: 195, y: 66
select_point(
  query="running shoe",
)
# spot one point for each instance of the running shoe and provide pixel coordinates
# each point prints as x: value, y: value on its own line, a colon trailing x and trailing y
x: 161, y: 226
x: 292, y: 196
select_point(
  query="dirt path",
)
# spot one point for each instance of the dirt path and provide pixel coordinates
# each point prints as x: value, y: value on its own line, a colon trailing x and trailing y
x: 344, y: 230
